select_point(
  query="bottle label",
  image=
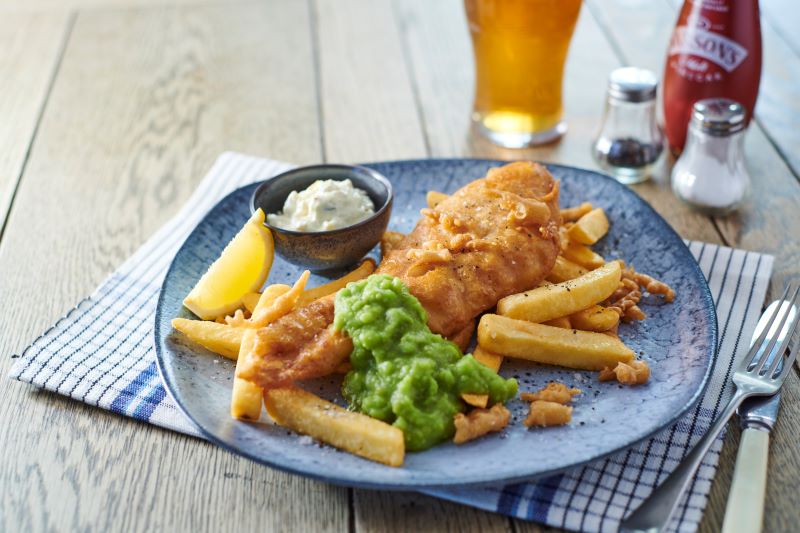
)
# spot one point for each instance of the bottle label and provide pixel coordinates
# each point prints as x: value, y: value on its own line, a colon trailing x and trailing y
x: 716, y: 48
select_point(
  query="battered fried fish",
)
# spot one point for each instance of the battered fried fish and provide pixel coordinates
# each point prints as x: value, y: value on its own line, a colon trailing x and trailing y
x: 494, y: 237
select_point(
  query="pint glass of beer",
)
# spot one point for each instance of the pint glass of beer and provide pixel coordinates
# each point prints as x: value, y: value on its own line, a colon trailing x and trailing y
x: 520, y: 48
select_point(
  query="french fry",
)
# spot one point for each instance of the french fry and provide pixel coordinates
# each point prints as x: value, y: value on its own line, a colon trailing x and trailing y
x: 250, y: 301
x: 582, y: 255
x: 583, y: 350
x: 565, y: 298
x: 571, y: 214
x: 560, y: 322
x: 246, y: 395
x: 564, y: 270
x: 356, y: 433
x: 487, y: 359
x: 590, y: 228
x: 366, y: 268
x: 275, y: 307
x: 595, y: 318
x: 434, y: 198
x: 219, y: 338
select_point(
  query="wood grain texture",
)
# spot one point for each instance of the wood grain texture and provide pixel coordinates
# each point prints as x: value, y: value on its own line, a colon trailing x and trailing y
x: 369, y: 113
x: 780, y: 76
x: 30, y: 49
x: 367, y: 100
x: 412, y: 512
x: 784, y: 17
x: 50, y: 6
x: 775, y: 196
x: 763, y: 224
x: 144, y: 102
x: 778, y: 106
x: 442, y: 64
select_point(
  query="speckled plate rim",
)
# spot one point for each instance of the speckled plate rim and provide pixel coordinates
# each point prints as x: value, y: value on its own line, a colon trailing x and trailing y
x: 289, y: 467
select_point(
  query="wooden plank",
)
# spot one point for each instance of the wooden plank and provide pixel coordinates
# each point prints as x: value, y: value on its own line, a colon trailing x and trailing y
x: 369, y: 113
x: 69, y: 5
x: 784, y: 17
x: 777, y: 105
x: 782, y: 499
x: 144, y: 102
x: 409, y: 511
x: 368, y: 108
x: 442, y: 63
x: 765, y: 224
x: 772, y: 208
x: 30, y: 48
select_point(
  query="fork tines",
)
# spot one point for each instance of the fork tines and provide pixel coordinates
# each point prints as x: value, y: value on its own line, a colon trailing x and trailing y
x: 785, y: 311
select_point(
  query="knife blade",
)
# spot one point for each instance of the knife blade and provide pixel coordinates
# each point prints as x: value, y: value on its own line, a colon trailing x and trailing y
x: 745, y: 509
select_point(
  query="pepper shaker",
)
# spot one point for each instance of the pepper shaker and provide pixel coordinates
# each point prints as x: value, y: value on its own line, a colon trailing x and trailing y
x: 711, y: 175
x: 630, y: 140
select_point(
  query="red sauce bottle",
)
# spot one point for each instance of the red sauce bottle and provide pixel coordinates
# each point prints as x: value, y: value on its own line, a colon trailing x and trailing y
x: 715, y: 51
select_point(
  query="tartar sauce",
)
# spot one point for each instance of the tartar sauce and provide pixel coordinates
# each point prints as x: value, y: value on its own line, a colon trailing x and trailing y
x: 324, y: 205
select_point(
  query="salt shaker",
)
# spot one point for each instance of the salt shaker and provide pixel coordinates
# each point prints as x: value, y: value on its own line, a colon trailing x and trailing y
x: 710, y: 174
x: 630, y: 141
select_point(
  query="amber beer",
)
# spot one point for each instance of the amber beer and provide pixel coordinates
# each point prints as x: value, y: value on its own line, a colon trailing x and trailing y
x: 520, y: 48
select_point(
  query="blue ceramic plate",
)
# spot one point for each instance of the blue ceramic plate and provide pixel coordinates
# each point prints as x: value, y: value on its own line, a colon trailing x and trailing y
x: 677, y: 340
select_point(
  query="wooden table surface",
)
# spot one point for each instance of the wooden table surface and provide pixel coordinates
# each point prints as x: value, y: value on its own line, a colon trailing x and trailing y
x: 113, y: 111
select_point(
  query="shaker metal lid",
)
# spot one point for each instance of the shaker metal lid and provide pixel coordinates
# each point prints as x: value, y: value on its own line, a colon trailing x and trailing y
x: 632, y: 84
x: 718, y: 116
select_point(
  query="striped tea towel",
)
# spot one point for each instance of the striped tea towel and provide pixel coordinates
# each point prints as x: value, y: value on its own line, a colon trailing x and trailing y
x: 102, y: 353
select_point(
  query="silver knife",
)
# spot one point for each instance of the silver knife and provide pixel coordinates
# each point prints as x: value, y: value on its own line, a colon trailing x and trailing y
x: 745, y: 509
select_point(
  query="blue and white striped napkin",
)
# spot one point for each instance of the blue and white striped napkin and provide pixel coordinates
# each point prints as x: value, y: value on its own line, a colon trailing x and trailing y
x: 102, y: 353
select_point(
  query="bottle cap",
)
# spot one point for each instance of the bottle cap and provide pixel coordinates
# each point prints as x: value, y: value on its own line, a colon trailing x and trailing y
x: 718, y: 116
x: 632, y: 84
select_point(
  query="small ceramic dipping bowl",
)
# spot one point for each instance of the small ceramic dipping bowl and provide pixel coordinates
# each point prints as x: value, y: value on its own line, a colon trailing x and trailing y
x: 326, y: 250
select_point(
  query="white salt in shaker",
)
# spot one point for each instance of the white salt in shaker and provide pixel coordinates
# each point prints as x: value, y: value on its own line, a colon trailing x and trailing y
x: 710, y: 174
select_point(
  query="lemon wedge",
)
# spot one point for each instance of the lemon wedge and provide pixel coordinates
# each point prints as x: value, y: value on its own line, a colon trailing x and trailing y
x: 241, y: 269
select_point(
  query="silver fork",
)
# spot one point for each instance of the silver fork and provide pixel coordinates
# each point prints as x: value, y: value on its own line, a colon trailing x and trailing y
x: 751, y: 379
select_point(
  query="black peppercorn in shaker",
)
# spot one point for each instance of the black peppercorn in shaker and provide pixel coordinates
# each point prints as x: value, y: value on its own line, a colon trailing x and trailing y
x: 630, y: 141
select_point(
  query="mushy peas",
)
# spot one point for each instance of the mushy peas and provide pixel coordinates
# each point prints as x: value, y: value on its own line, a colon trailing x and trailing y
x: 403, y: 373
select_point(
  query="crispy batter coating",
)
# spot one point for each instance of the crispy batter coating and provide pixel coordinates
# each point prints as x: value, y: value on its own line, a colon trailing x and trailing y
x: 299, y: 345
x: 462, y: 337
x: 479, y: 422
x: 635, y: 372
x: 546, y: 414
x: 390, y: 240
x: 625, y: 300
x: 500, y: 235
x: 650, y: 284
x: 553, y: 392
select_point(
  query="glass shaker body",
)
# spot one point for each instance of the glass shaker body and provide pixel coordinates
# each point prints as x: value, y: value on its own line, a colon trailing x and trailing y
x: 711, y: 174
x: 630, y: 141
